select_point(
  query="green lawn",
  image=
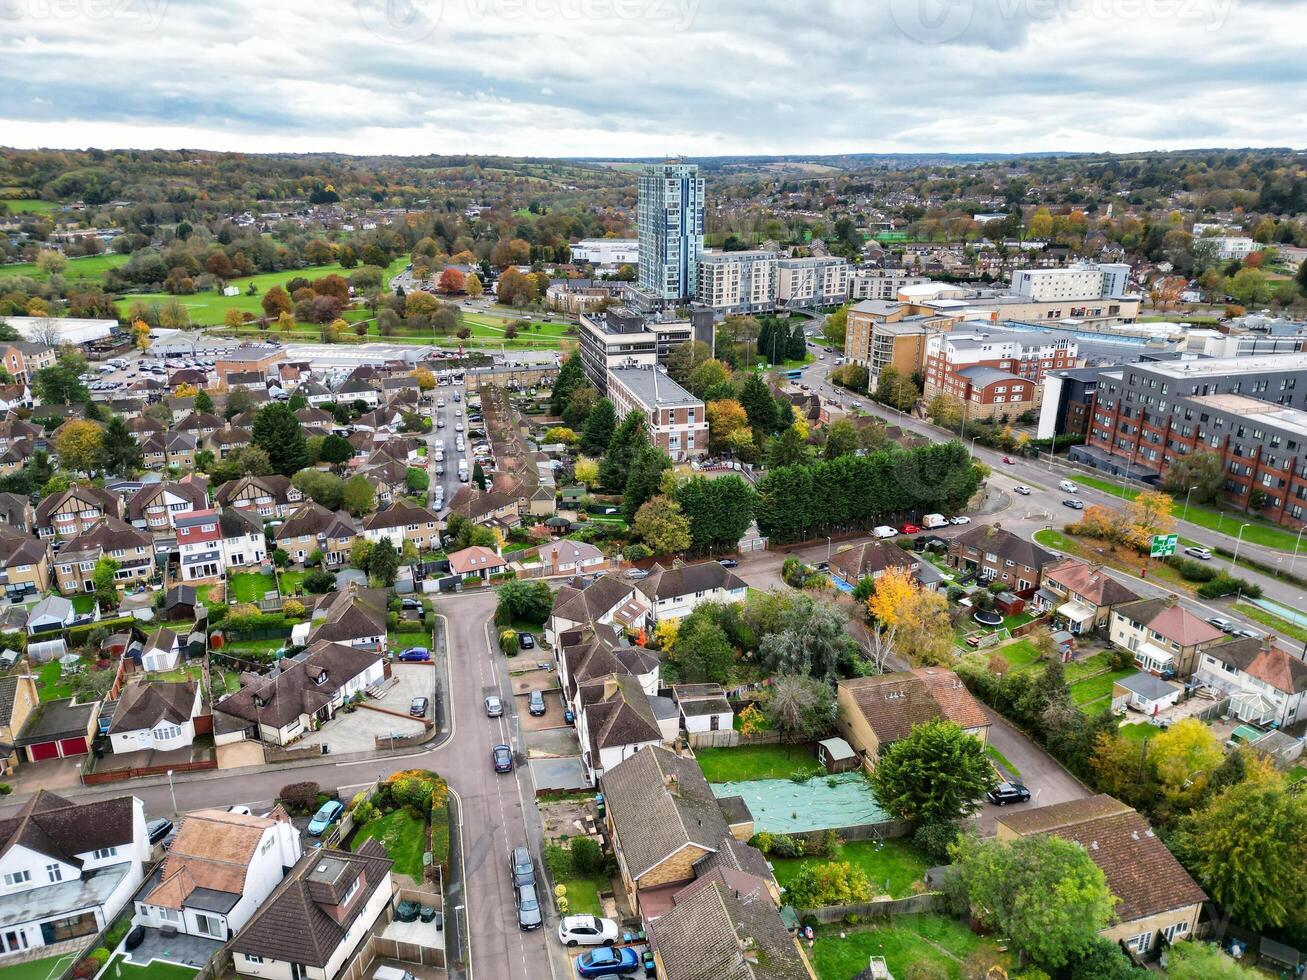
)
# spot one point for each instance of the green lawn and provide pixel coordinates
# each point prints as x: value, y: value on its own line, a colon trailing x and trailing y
x: 256, y: 646
x: 154, y: 971
x: 918, y: 939
x: 1139, y: 732
x: 90, y: 267
x: 1020, y: 654
x: 1260, y: 531
x: 583, y: 895
x: 892, y: 864
x: 29, y: 205
x: 1055, y: 539
x: 1297, y: 773
x: 1092, y: 695
x: 290, y: 581
x: 1002, y: 760
x: 83, y: 603
x: 1278, y: 623
x: 250, y: 586
x: 403, y: 834
x: 51, y: 686
x: 46, y: 969
x: 754, y: 762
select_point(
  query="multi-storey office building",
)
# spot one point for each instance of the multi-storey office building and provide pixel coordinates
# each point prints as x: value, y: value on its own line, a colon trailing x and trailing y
x: 1076, y: 282
x: 625, y: 338
x: 670, y: 217
x: 1251, y: 412
x: 606, y: 251
x: 738, y: 282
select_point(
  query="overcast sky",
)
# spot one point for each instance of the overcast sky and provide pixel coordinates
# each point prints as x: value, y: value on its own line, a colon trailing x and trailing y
x: 647, y: 77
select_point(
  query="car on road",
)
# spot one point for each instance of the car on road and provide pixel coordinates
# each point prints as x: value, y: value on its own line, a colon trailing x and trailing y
x: 501, y: 756
x: 1073, y: 503
x: 1068, y: 487
x: 157, y: 830
x: 910, y: 528
x: 327, y: 814
x: 1005, y: 793
x: 521, y: 869
x: 418, y: 707
x: 1198, y: 552
x: 528, y: 908
x: 587, y: 930
x: 884, y: 531
x: 494, y: 706
x: 728, y: 563
x: 458, y: 426
x: 608, y: 962
x: 1246, y: 633
x: 1008, y: 460
x: 535, y: 703
x: 525, y: 641
x: 1222, y: 624
x: 244, y: 811
x: 960, y: 519
x: 415, y: 655
x: 1022, y: 489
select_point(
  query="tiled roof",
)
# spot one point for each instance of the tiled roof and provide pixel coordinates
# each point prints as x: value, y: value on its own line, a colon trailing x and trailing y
x: 213, y: 849
x: 475, y: 559
x: 143, y: 706
x: 869, y: 558
x: 1263, y: 661
x: 622, y: 717
x: 1171, y: 620
x: 671, y: 583
x: 292, y: 691
x: 1090, y: 581
x: 399, y: 514
x: 49, y: 824
x: 349, y: 615
x: 581, y: 602
x: 894, y: 703
x: 1005, y: 544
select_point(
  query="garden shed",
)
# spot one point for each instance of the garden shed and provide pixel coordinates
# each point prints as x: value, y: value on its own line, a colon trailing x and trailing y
x: 837, y: 755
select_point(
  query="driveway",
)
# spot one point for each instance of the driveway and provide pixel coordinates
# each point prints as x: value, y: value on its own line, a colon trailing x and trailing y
x: 1047, y: 781
x: 358, y: 730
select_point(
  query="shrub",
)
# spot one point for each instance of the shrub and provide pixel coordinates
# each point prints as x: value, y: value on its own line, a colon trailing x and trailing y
x: 832, y: 883
x: 778, y: 845
x: 364, y: 812
x: 997, y: 586
x: 1120, y: 658
x: 934, y: 840
x: 1192, y: 570
x: 508, y: 642
x: 292, y: 609
x: 1223, y: 584
x: 587, y: 857
x: 636, y: 552
x: 300, y: 792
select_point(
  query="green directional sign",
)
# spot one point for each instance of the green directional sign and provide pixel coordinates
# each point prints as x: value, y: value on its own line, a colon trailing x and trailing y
x: 1164, y: 545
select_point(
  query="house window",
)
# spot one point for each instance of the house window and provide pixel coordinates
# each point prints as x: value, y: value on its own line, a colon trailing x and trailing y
x: 208, y: 925
x: 250, y: 958
x: 1141, y: 943
x: 55, y: 872
x: 18, y: 877
x: 166, y: 732
x: 105, y: 852
x: 351, y: 891
x: 169, y: 915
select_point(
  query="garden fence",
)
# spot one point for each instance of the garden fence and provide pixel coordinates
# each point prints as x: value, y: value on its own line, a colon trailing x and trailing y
x: 879, y: 908
x: 729, y: 738
x: 858, y: 832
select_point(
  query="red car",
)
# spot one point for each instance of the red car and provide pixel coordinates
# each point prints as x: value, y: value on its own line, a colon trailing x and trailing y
x: 911, y: 529
x: 1008, y: 460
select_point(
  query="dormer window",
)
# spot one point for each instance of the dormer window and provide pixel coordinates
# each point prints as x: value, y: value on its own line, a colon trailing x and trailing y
x: 351, y: 891
x: 260, y: 701
x: 321, y: 678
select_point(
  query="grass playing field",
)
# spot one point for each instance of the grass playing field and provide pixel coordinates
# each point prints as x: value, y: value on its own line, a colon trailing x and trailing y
x: 88, y: 267
x: 30, y: 205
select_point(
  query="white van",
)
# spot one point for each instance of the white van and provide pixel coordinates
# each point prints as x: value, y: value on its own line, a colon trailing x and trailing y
x: 462, y: 471
x: 1068, y: 487
x: 934, y: 520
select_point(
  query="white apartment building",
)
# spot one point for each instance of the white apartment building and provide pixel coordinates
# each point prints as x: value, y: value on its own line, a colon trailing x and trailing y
x: 1232, y: 247
x: 1085, y: 281
x: 882, y: 284
x: 676, y: 420
x: 738, y: 282
x: 670, y: 218
x: 606, y: 251
x: 814, y: 281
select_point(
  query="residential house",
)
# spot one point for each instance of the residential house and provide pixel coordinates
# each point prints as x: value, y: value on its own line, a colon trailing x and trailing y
x: 666, y: 827
x: 132, y: 548
x: 316, y: 393
x: 477, y: 562
x: 588, y: 656
x: 314, y: 528
x: 223, y: 442
x: 68, y: 870
x: 674, y: 593
x: 993, y: 553
x: 1165, y: 638
x: 155, y: 506
x: 75, y: 510
x: 615, y: 722
x: 24, y: 564
x: 1156, y: 897
x: 359, y: 390
x: 220, y: 868
x: 161, y: 650
x: 1266, y: 684
x: 312, y: 923
x: 610, y: 600
x: 267, y: 496
x: 180, y: 450
x: 315, y: 417
x: 155, y: 716
x: 154, y: 451
x: 724, y: 925
x: 482, y: 508
x: 199, y: 541
x: 297, y: 696
x: 22, y: 358
x: 402, y: 522
x: 703, y: 708
x: 15, y: 396
x: 243, y: 542
x: 17, y: 512
x: 355, y: 617
x: 875, y: 712
x: 201, y: 425
x: 18, y: 699
x: 564, y: 557
x: 873, y: 558
x: 1080, y: 595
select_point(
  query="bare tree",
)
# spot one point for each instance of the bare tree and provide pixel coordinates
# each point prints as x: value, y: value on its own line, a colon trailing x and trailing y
x: 880, y: 647
x: 46, y: 331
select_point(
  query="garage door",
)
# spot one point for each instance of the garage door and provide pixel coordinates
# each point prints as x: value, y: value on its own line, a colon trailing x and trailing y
x: 44, y: 750
x: 72, y: 746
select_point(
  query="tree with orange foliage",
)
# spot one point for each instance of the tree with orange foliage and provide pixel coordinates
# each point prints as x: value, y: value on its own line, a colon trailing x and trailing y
x: 895, y: 587
x: 451, y: 281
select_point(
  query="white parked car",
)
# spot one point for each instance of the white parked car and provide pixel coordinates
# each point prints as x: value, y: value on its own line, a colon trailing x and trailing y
x: 884, y: 531
x: 587, y: 930
x: 1068, y: 486
x: 1022, y: 489
x: 960, y: 519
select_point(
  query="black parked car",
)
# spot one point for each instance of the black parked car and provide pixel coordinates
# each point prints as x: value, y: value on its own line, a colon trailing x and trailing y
x: 1005, y: 793
x: 157, y: 830
x: 528, y: 908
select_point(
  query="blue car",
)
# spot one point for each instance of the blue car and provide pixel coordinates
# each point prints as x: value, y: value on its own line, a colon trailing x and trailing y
x: 416, y: 655
x: 607, y: 962
x: 328, y: 814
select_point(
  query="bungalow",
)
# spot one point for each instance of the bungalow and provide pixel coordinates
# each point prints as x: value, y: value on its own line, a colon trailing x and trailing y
x: 477, y: 562
x: 401, y: 522
x: 355, y: 617
x: 1156, y: 898
x: 873, y: 558
x: 155, y: 716
x: 564, y: 557
x: 674, y: 593
x: 311, y: 925
x: 1165, y: 638
x: 160, y: 651
x: 703, y: 707
x: 993, y: 553
x: 69, y: 869
x: 875, y: 712
x: 1080, y: 595
x: 1266, y: 684
x: 220, y: 869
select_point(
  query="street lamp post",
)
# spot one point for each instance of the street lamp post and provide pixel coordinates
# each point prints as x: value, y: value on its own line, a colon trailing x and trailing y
x: 828, y: 549
x: 1295, y: 548
x: 1237, y: 542
x: 172, y: 793
x: 1185, y: 515
x: 1125, y: 478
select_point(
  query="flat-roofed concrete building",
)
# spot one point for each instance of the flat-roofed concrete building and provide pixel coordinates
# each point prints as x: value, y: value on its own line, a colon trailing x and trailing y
x: 626, y: 337
x: 738, y: 282
x: 818, y: 280
x: 677, y: 421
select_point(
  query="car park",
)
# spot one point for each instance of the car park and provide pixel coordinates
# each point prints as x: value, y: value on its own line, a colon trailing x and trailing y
x: 327, y: 814
x: 1197, y: 552
x: 1005, y: 793
x: 1022, y: 489
x: 494, y: 707
x: 535, y: 703
x: 587, y: 930
x: 418, y: 707
x: 415, y: 655
x: 521, y: 868
x: 502, y: 758
x: 528, y: 908
x: 1073, y: 503
x: 608, y: 962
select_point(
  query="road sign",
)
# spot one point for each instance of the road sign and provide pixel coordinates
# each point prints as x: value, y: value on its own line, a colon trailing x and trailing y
x: 1164, y: 545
